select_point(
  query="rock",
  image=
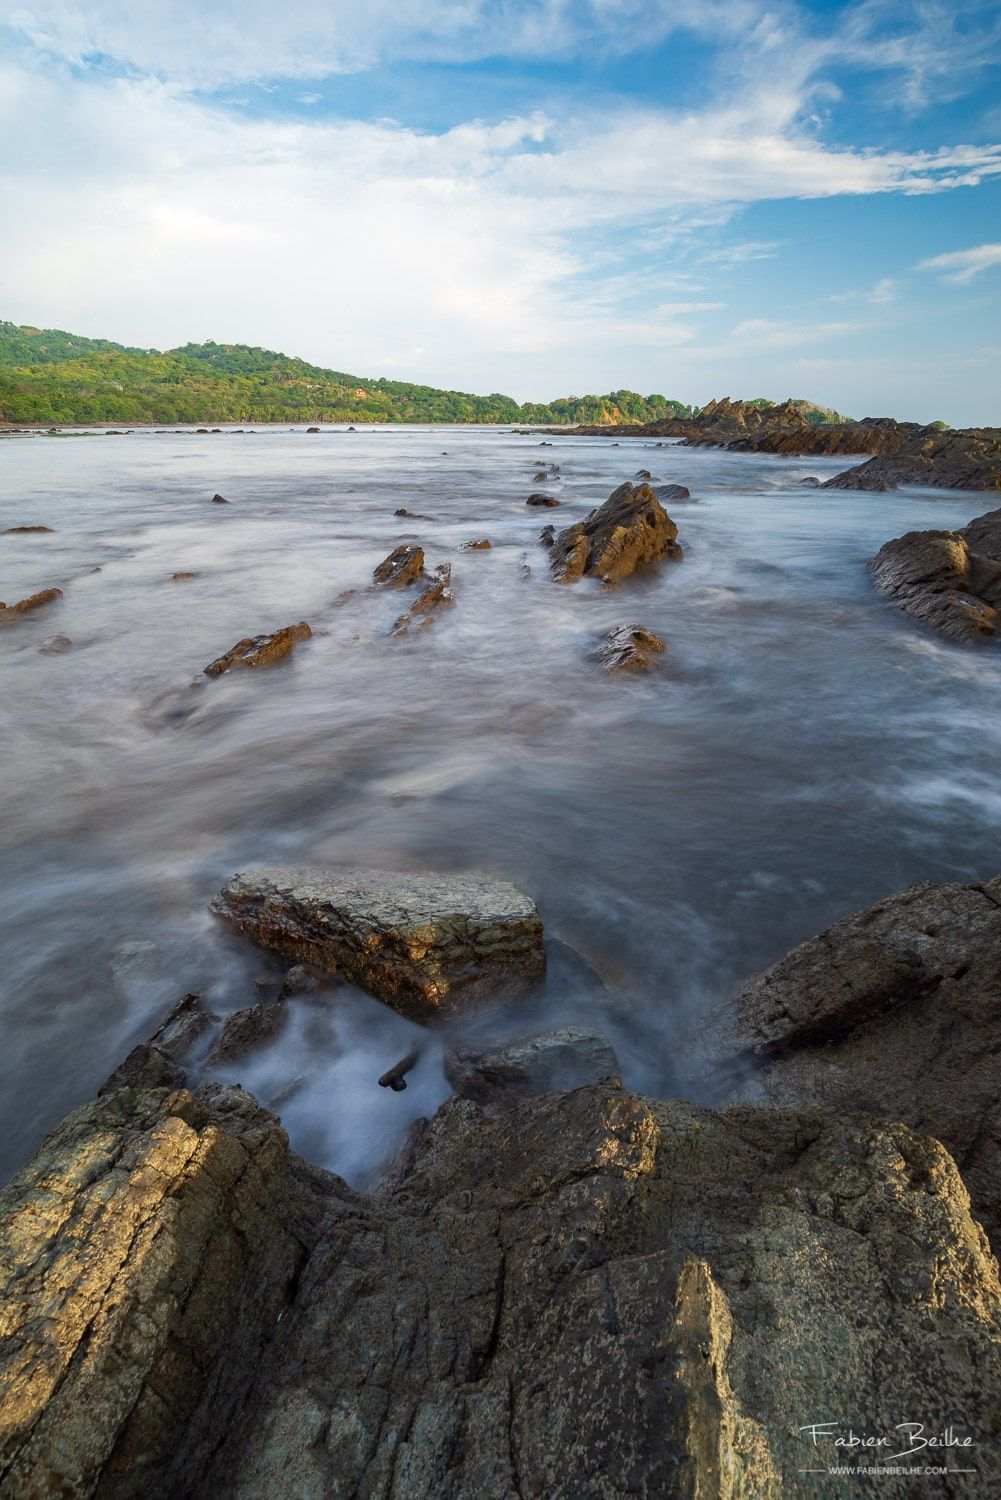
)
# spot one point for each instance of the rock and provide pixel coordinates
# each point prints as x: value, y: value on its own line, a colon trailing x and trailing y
x: 809, y: 482
x: 54, y: 645
x: 302, y: 980
x: 481, y: 546
x: 535, y: 1062
x: 436, y: 596
x: 954, y: 460
x: 11, y: 612
x: 547, y: 535
x: 541, y: 477
x: 26, y: 530
x: 892, y: 1011
x: 948, y: 579
x: 642, y: 474
x: 671, y: 492
x: 182, y: 577
x: 260, y: 650
x: 219, y: 500
x: 246, y: 1030
x: 631, y: 529
x: 148, y: 1252
x: 403, y: 565
x: 312, y: 429
x: 587, y: 1294
x: 428, y: 945
x: 547, y: 501
x: 628, y: 648
x: 155, y: 1063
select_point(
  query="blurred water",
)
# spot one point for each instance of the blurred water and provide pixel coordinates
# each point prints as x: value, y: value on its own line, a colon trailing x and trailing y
x: 800, y: 750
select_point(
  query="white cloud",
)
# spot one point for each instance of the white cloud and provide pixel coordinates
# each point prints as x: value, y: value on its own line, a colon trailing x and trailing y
x: 769, y: 333
x: 962, y: 265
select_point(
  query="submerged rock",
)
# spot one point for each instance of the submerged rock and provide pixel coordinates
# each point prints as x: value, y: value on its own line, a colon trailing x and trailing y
x: 11, y: 612
x: 588, y: 1294
x: 26, y: 530
x: 55, y: 645
x: 260, y: 650
x: 428, y: 945
x: 628, y: 648
x: 219, y: 500
x: 484, y: 545
x: 533, y: 1062
x: 183, y: 577
x: 632, y: 528
x: 948, y: 579
x: 892, y: 1011
x: 403, y: 565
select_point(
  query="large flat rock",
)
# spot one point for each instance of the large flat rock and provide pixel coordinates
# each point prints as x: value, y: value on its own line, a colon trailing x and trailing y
x: 894, y: 1010
x: 429, y: 945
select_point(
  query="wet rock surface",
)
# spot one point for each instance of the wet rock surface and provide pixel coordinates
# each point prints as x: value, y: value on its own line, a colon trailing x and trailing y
x: 950, y: 580
x: 504, y: 1070
x: 26, y: 530
x: 967, y: 459
x: 428, y: 945
x: 11, y: 612
x: 246, y: 1030
x: 893, y: 1011
x: 589, y: 1293
x: 404, y: 565
x: 436, y: 597
x: 543, y: 501
x: 630, y: 530
x: 260, y: 650
x: 628, y: 648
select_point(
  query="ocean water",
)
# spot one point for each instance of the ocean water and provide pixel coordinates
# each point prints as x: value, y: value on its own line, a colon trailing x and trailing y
x: 800, y: 750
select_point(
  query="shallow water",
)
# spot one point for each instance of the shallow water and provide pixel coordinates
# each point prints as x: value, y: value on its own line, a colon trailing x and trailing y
x: 799, y: 751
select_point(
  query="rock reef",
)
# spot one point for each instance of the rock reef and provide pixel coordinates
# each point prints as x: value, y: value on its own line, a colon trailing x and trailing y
x: 950, y: 580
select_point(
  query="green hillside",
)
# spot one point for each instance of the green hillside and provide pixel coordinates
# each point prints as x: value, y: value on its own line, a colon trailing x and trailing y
x: 51, y: 377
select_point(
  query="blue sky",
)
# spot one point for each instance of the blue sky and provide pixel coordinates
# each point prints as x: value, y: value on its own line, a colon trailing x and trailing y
x: 543, y: 197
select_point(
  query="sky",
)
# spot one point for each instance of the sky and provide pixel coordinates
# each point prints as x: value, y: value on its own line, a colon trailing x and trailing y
x: 540, y: 197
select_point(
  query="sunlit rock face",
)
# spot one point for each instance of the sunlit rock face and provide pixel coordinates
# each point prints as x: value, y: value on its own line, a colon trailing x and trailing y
x: 429, y: 945
x: 589, y: 1293
x: 947, y: 579
x: 630, y: 530
x: 892, y: 1011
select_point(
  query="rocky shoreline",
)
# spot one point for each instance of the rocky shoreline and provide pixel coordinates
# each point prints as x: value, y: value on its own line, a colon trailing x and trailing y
x: 559, y: 1287
x: 899, y: 453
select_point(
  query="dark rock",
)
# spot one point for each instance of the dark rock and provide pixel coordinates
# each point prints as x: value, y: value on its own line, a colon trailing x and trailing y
x: 396, y: 1077
x: 303, y: 980
x: 312, y: 429
x: 404, y: 565
x: 547, y: 501
x: 26, y: 530
x: 219, y: 500
x: 155, y: 1063
x: 628, y: 648
x: 671, y: 492
x: 182, y: 577
x: 629, y: 530
x: 11, y: 612
x: 892, y: 1011
x: 260, y: 650
x: 247, y: 1030
x: 948, y: 579
x: 541, y: 477
x: 481, y: 546
x: 953, y: 460
x: 547, y: 535
x: 428, y: 945
x: 54, y: 645
x: 503, y: 1071
x: 642, y: 474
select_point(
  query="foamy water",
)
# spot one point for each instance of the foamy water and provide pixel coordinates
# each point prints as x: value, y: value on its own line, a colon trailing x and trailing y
x: 799, y: 751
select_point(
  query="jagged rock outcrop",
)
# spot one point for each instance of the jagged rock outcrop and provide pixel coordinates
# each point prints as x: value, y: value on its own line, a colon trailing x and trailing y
x: 588, y: 1294
x: 158, y: 1060
x: 405, y: 564
x: 437, y: 596
x: 964, y: 459
x: 147, y: 1253
x: 894, y: 1010
x: 260, y: 650
x: 500, y: 1071
x: 628, y: 648
x: 428, y: 945
x: 630, y: 530
x: 948, y: 579
x: 12, y: 612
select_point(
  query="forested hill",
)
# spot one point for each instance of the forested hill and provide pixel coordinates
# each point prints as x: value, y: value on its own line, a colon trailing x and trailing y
x: 48, y: 376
